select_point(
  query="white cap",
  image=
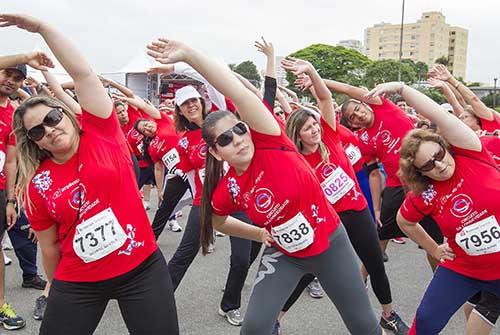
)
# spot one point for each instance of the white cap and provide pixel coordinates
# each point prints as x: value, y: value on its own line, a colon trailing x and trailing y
x: 185, y: 93
x: 447, y: 107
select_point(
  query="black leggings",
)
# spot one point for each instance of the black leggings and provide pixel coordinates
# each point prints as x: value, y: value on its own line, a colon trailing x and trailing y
x: 364, y: 238
x: 174, y: 191
x: 243, y: 253
x: 77, y: 307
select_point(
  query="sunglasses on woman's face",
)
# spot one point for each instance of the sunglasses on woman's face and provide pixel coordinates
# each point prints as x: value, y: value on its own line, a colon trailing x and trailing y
x: 227, y: 137
x: 52, y: 119
x: 431, y: 164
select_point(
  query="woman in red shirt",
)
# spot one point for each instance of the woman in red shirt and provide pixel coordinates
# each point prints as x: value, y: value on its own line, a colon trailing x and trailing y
x: 301, y: 229
x: 320, y: 144
x: 453, y: 179
x: 96, y: 241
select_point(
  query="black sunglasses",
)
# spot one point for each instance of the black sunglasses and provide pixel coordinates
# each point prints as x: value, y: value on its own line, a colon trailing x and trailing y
x: 52, y: 119
x: 279, y: 113
x: 227, y: 137
x: 431, y: 164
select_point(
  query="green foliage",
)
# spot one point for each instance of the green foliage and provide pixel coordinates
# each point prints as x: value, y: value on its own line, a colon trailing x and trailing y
x: 387, y: 70
x: 248, y: 70
x: 442, y: 60
x: 434, y: 94
x: 488, y: 100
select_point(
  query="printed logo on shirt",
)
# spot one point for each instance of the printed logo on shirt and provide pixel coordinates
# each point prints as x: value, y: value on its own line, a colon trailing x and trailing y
x: 184, y: 143
x: 461, y: 205
x: 264, y: 200
x: 77, y: 197
x: 233, y: 188
x: 364, y: 137
x: 42, y: 181
x: 133, y: 244
x: 429, y: 194
x: 327, y: 170
x: 202, y: 151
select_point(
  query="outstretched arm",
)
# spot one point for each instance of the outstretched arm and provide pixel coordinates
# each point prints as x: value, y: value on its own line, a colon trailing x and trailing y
x: 250, y: 108
x: 448, y: 93
x: 482, y: 111
x: 37, y: 60
x: 450, y: 127
x: 124, y: 89
x: 290, y: 93
x: 91, y: 94
x: 60, y: 93
x: 139, y: 103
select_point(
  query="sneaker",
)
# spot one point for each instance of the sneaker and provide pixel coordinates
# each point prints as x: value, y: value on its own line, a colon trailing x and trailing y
x: 233, y: 316
x: 9, y: 319
x: 394, y: 324
x: 174, y: 226
x: 219, y: 234
x: 385, y: 257
x: 6, y: 260
x: 276, y: 328
x: 40, y: 305
x: 36, y: 282
x: 178, y: 214
x: 398, y: 240
x: 314, y: 289
x: 211, y: 248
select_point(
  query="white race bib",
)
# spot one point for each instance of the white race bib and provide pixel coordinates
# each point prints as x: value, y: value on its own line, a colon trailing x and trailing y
x: 295, y: 234
x: 171, y: 158
x: 480, y: 238
x: 98, y: 236
x: 337, y: 185
x: 353, y: 153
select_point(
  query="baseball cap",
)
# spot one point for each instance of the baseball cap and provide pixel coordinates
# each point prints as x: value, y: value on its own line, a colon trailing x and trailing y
x: 19, y: 67
x: 185, y: 93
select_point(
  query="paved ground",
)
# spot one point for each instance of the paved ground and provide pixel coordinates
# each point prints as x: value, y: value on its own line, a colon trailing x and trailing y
x: 199, y: 295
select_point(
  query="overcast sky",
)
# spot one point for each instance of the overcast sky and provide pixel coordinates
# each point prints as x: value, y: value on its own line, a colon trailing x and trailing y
x: 111, y: 32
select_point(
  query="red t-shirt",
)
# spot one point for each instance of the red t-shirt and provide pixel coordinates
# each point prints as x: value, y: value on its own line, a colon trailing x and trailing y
x: 492, y: 144
x: 491, y: 125
x: 6, y: 138
x: 469, y: 196
x: 352, y: 199
x: 134, y: 139
x: 99, y: 176
x: 133, y: 115
x: 192, y: 151
x: 165, y: 140
x: 383, y: 139
x: 351, y: 147
x: 277, y: 186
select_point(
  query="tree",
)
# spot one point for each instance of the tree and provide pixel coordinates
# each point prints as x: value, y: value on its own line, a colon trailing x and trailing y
x: 443, y: 60
x: 333, y: 62
x: 248, y: 70
x: 422, y: 70
x: 488, y: 100
x: 383, y: 71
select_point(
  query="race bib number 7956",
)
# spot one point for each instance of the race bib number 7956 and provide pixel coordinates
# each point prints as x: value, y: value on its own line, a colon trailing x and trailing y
x: 480, y: 238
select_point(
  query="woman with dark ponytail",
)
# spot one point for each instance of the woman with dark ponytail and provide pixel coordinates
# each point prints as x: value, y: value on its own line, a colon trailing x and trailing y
x: 272, y: 183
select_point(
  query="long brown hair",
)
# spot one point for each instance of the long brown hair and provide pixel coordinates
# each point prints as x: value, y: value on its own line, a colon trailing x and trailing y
x: 214, y: 172
x: 413, y: 179
x: 294, y: 124
x: 181, y: 122
x: 30, y: 155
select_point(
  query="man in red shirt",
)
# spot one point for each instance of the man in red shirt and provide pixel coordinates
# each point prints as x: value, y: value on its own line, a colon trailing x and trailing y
x: 11, y: 79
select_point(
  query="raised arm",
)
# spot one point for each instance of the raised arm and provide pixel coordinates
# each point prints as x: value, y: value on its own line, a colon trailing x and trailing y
x: 450, y: 127
x: 290, y: 93
x: 250, y: 108
x: 248, y: 85
x: 60, y: 93
x: 270, y: 84
x: 482, y: 111
x: 321, y: 92
x: 354, y: 92
x: 91, y: 94
x: 283, y: 103
x: 457, y: 95
x: 36, y: 59
x: 124, y: 89
x: 448, y: 93
x: 139, y: 103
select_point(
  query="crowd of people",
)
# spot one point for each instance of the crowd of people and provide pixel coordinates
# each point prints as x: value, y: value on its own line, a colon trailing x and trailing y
x: 78, y: 161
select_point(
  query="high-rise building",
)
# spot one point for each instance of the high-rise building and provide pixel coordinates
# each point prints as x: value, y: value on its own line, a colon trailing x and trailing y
x: 280, y: 72
x: 352, y: 44
x: 426, y: 40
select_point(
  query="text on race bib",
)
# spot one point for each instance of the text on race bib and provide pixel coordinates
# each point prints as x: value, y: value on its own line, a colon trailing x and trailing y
x: 480, y: 238
x: 171, y: 158
x: 98, y: 236
x: 337, y: 185
x: 353, y: 153
x: 295, y: 234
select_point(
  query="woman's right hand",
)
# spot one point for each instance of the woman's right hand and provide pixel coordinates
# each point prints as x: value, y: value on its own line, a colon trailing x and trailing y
x: 265, y: 237
x: 22, y: 21
x: 167, y: 51
x: 443, y: 253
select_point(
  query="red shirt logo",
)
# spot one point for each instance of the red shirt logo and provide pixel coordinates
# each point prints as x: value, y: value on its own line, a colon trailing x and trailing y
x: 264, y: 200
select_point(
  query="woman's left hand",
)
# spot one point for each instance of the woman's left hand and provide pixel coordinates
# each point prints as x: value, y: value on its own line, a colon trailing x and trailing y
x: 167, y: 51
x: 22, y: 21
x: 296, y: 66
x: 381, y: 89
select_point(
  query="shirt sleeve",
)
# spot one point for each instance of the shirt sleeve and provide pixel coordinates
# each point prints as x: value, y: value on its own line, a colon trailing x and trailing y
x: 222, y: 203
x: 36, y: 210
x: 413, y: 208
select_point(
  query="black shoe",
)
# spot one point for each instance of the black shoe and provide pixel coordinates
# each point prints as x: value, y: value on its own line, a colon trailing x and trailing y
x: 395, y: 324
x: 40, y: 305
x: 385, y: 257
x: 36, y: 282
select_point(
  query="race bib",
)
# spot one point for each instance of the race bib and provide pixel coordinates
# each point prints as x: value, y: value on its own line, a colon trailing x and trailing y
x: 295, y: 234
x: 337, y: 185
x: 98, y: 236
x: 353, y: 153
x: 480, y: 238
x: 171, y: 158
